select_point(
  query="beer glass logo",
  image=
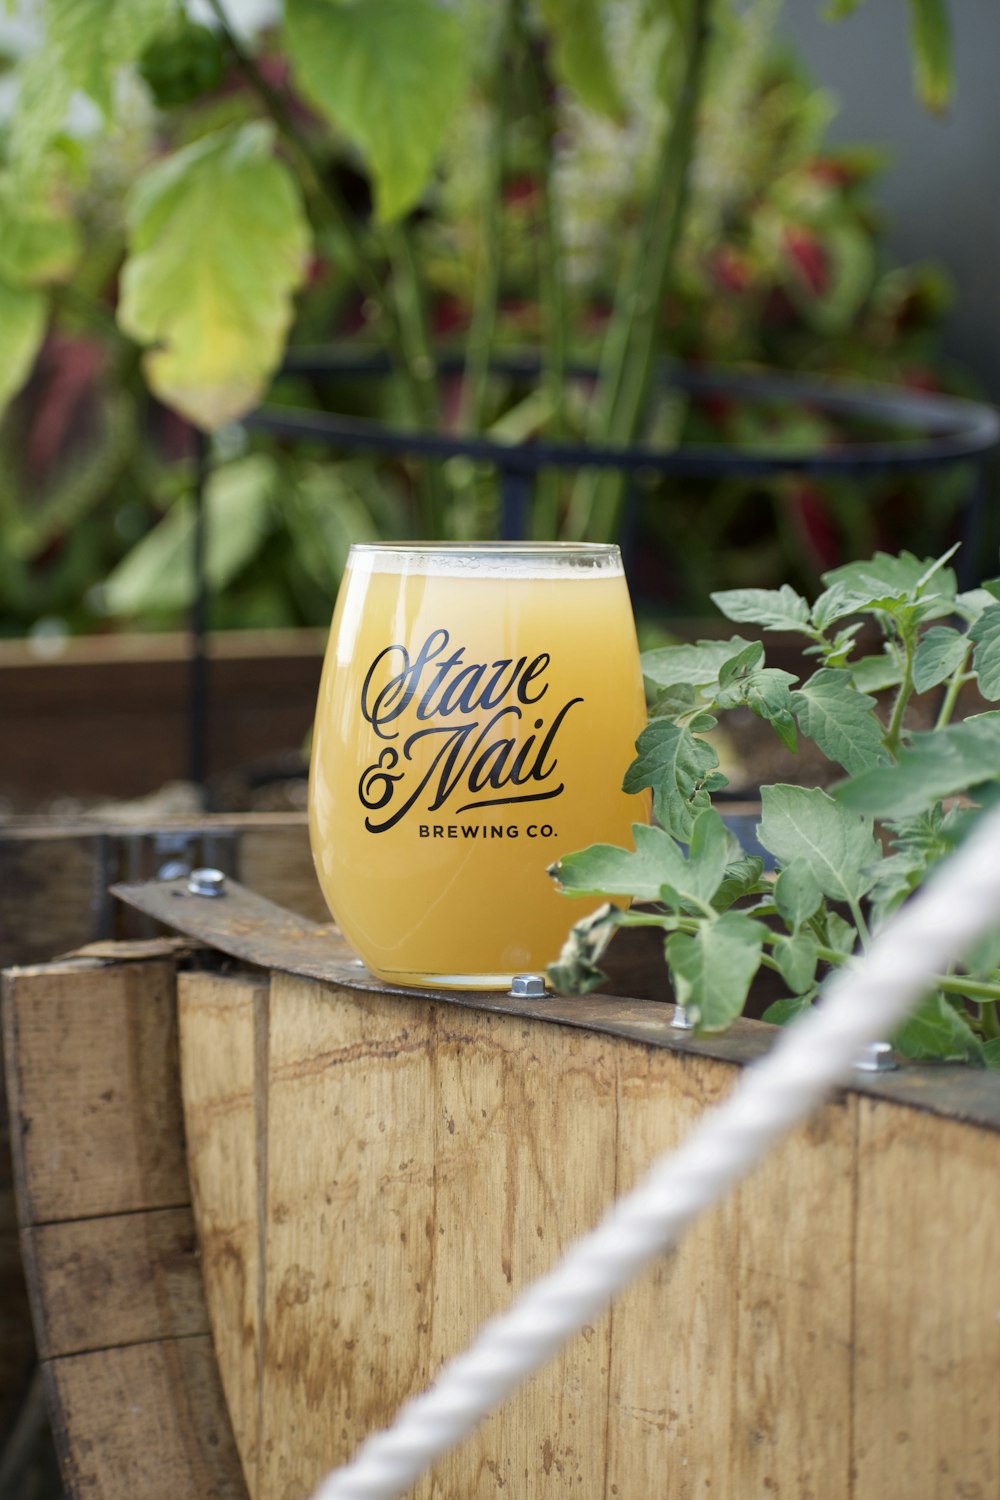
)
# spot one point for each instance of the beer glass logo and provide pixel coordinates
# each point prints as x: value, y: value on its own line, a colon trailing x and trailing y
x: 465, y: 735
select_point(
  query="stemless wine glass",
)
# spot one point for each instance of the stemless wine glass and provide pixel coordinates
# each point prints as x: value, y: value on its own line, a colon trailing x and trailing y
x: 478, y: 708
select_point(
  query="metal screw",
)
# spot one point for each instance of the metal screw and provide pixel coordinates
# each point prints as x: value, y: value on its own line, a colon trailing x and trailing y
x: 174, y: 869
x: 207, y: 883
x: 876, y: 1058
x: 528, y: 986
x: 682, y: 1020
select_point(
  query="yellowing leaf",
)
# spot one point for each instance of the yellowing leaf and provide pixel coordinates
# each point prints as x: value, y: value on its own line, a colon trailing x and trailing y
x: 217, y: 245
x: 389, y: 74
x: 23, y: 318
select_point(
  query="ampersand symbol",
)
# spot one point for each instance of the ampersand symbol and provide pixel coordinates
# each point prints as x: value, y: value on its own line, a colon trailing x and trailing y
x: 376, y: 785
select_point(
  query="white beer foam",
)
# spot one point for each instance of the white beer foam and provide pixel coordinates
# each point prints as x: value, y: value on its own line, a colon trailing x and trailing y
x: 500, y: 560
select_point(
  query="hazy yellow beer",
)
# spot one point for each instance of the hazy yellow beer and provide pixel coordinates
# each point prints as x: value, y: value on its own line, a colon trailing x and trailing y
x: 478, y: 708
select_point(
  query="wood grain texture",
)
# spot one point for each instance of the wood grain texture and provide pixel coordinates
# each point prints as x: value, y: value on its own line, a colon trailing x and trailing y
x: 223, y: 1022
x: 926, y: 1416
x: 93, y: 1086
x: 146, y: 1422
x: 102, y: 1283
x: 425, y: 1161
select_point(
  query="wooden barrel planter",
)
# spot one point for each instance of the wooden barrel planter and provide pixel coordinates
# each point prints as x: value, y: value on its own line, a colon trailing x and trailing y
x: 370, y: 1174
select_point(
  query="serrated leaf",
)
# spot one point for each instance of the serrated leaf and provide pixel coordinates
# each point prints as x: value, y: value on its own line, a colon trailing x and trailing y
x: 940, y: 652
x: 774, y: 609
x: 937, y: 763
x: 836, y: 603
x: 742, y: 664
x: 580, y: 52
x: 713, y: 969
x: 390, y: 74
x: 218, y: 243
x: 673, y: 762
x: 23, y: 320
x: 742, y: 878
x: 803, y: 823
x: 605, y: 870
x: 937, y: 1032
x: 930, y: 40
x: 797, y: 894
x: 157, y: 576
x: 986, y: 655
x: 669, y: 702
x: 885, y: 578
x: 696, y: 665
x: 796, y: 958
x: 829, y: 710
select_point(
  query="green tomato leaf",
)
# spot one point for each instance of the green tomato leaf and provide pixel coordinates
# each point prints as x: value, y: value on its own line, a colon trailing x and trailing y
x: 24, y: 315
x: 830, y: 710
x: 803, y: 823
x: 937, y: 1032
x: 157, y: 576
x: 742, y: 878
x: 797, y: 894
x: 712, y: 970
x: 873, y: 674
x: 885, y: 579
x: 669, y: 702
x: 580, y: 52
x: 784, y: 1012
x: 673, y: 762
x: 940, y: 652
x: 217, y: 245
x: 986, y: 656
x: 775, y: 609
x: 930, y: 39
x: 390, y: 74
x: 937, y: 763
x: 741, y: 665
x: 796, y: 957
x: 991, y: 1054
x: 604, y: 870
x: 695, y: 665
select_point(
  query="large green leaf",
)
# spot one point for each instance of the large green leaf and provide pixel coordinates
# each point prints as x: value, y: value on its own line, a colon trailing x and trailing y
x: 580, y: 52
x: 157, y: 576
x: 605, y: 870
x: 712, y: 970
x: 774, y: 609
x: 674, y: 762
x: 23, y: 319
x: 886, y: 576
x: 390, y: 74
x: 837, y: 846
x: 830, y: 710
x: 930, y: 39
x: 938, y: 763
x: 86, y: 42
x: 986, y: 656
x: 796, y: 957
x: 217, y: 245
x: 696, y: 665
x: 797, y: 893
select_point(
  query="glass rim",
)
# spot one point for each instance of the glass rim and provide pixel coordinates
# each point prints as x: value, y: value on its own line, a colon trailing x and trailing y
x: 517, y: 549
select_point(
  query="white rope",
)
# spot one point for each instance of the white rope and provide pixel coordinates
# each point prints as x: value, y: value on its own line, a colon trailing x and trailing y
x: 860, y: 1005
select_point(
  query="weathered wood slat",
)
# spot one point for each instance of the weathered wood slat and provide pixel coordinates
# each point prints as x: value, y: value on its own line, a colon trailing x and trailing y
x: 424, y: 1161
x: 108, y: 1235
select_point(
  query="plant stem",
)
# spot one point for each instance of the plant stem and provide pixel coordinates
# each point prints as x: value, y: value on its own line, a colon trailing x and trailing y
x: 955, y: 685
x: 627, y: 356
x: 988, y: 1021
x: 420, y: 364
x: 895, y: 729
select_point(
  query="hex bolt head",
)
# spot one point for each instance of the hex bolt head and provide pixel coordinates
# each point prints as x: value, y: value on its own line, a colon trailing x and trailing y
x: 207, y: 883
x: 527, y: 986
x: 876, y: 1058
